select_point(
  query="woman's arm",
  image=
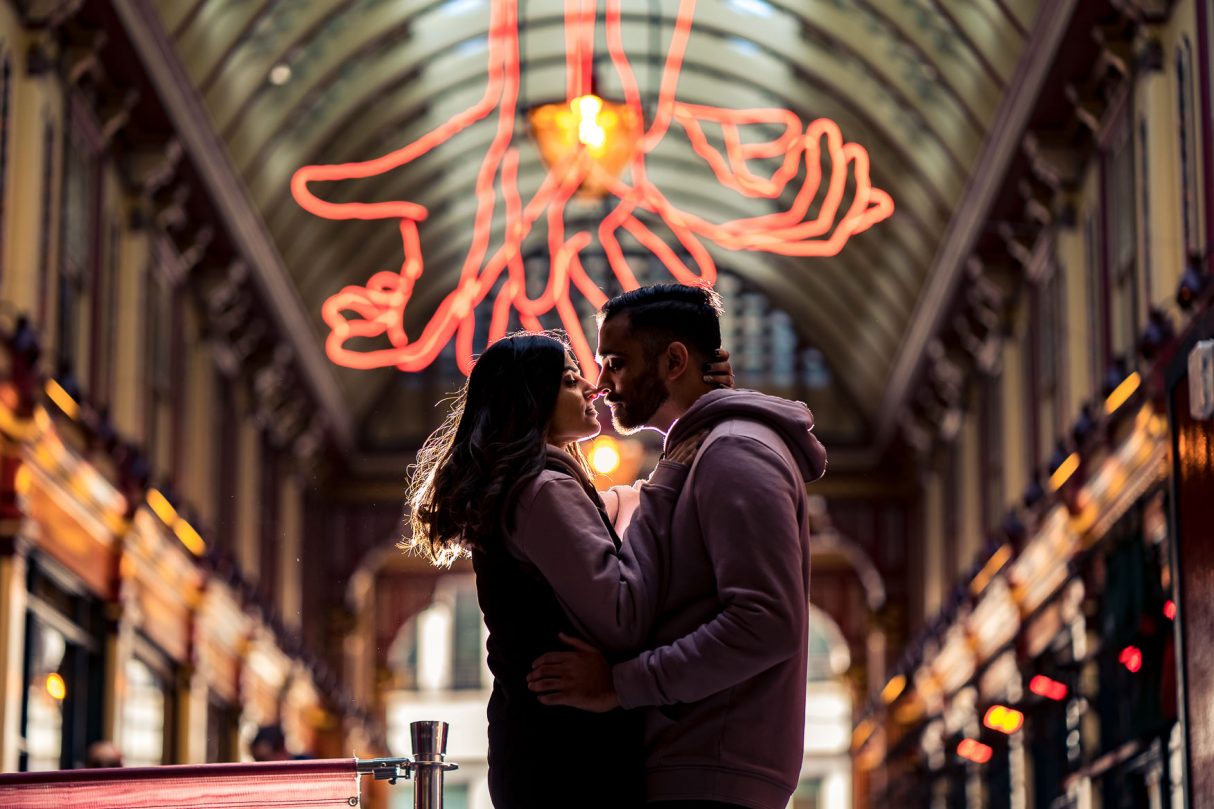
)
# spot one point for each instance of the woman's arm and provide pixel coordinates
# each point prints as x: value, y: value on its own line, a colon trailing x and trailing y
x: 610, y: 597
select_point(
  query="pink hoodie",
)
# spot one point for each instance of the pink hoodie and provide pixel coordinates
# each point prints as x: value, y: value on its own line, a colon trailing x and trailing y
x: 725, y: 679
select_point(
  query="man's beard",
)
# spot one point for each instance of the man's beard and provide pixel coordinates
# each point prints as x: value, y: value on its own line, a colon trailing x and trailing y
x: 633, y: 413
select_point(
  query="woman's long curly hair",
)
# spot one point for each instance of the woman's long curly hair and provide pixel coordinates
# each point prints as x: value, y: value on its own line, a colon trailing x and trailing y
x: 469, y: 472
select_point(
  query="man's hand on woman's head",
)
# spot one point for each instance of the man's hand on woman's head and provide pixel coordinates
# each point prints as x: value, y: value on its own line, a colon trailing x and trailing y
x: 580, y: 678
x: 718, y: 371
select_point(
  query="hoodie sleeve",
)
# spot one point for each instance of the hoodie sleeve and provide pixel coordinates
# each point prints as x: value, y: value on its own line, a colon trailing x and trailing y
x: 746, y: 498
x: 611, y: 597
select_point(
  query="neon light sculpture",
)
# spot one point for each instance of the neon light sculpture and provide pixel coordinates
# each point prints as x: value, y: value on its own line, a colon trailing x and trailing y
x: 379, y: 306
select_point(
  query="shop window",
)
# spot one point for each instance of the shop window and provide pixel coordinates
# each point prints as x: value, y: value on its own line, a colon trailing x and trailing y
x: 6, y: 81
x: 468, y: 643
x: 63, y: 670
x: 222, y: 724
x: 991, y: 432
x: 226, y: 428
x: 46, y: 221
x: 79, y: 241
x: 1048, y: 361
x: 1187, y: 134
x: 268, y: 511
x: 1096, y: 287
x: 164, y: 360
x: 1121, y: 236
x: 443, y: 647
x: 146, y: 702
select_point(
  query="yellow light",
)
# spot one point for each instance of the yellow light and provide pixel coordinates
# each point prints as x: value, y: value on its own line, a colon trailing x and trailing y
x: 1064, y: 471
x: 1003, y: 719
x: 162, y: 507
x: 993, y: 565
x: 862, y: 733
x: 62, y: 399
x: 893, y: 689
x: 1122, y: 392
x: 590, y: 131
x: 605, y: 455
x: 55, y: 686
x: 22, y: 480
x: 189, y: 537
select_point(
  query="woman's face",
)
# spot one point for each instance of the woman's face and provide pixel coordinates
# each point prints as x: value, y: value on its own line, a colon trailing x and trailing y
x: 574, y: 418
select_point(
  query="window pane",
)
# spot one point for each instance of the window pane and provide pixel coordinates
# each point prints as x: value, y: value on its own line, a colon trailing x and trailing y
x: 143, y: 714
x: 45, y: 694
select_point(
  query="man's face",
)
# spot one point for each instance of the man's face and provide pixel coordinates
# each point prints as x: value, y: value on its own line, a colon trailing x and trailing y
x: 635, y: 388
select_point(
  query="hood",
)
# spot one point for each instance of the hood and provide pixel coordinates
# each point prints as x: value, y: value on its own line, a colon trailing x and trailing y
x: 792, y: 420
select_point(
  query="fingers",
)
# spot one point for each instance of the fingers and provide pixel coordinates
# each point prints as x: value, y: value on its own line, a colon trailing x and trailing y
x: 547, y: 685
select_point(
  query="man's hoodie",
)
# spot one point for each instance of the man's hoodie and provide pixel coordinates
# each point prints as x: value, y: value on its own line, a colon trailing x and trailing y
x: 723, y: 682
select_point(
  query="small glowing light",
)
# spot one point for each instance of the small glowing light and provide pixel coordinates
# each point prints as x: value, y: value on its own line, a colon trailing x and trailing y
x: 62, y: 399
x: 22, y: 480
x: 280, y: 74
x: 975, y: 751
x: 161, y: 506
x: 992, y: 567
x: 893, y: 689
x: 1003, y: 719
x: 1131, y: 658
x: 189, y: 537
x: 1122, y: 393
x: 862, y: 733
x: 1043, y: 686
x: 605, y: 455
x: 1169, y: 610
x: 1064, y: 471
x: 590, y: 131
x: 55, y: 686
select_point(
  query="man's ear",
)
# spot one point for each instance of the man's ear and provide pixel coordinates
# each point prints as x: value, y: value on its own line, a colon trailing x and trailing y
x: 677, y: 359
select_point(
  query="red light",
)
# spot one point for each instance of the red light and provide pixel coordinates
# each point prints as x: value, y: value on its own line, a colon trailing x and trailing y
x: 1043, y: 686
x: 1169, y: 610
x: 975, y: 751
x: 376, y: 310
x: 1003, y: 719
x: 1131, y: 658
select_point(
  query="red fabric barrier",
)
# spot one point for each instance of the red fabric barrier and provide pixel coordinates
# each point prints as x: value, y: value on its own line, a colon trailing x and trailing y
x: 331, y: 783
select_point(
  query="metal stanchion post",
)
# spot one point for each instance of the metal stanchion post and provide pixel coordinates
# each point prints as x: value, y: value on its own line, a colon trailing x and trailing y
x: 429, y: 749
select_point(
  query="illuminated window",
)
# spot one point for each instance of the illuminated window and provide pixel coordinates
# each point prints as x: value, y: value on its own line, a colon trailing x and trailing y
x: 144, y: 728
x: 63, y: 670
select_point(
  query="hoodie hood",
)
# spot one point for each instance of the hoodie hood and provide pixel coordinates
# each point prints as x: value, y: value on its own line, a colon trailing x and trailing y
x: 792, y: 420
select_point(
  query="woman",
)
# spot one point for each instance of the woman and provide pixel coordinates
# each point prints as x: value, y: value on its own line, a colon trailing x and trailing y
x: 504, y: 480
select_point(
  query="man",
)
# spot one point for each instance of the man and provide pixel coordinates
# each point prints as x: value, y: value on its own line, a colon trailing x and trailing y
x: 723, y: 684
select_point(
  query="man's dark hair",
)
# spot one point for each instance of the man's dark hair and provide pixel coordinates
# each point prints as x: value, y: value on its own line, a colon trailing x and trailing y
x: 665, y: 313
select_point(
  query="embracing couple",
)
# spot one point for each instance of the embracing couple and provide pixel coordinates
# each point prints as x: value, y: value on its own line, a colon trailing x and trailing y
x: 648, y: 644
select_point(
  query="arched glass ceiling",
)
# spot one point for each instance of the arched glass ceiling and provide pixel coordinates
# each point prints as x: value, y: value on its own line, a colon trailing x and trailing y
x: 917, y: 82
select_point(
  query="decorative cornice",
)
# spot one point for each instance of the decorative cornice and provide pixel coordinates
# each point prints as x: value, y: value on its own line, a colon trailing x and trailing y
x: 241, y: 218
x: 1000, y: 148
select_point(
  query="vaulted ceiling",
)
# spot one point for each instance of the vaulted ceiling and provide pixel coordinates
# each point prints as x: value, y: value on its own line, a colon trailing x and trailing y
x: 918, y: 83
